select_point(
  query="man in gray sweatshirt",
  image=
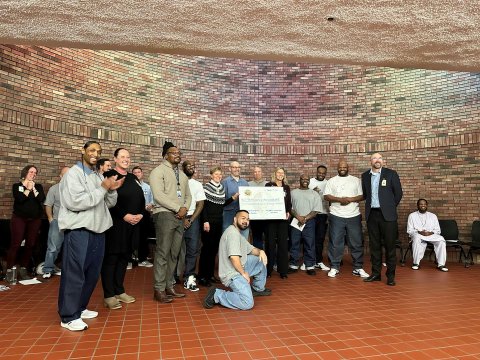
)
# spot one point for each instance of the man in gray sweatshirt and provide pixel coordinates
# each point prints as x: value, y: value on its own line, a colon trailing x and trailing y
x: 85, y: 197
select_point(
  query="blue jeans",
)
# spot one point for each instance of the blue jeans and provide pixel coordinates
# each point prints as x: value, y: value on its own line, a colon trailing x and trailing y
x: 189, y: 251
x: 339, y: 228
x: 308, y: 237
x: 241, y: 297
x: 82, y: 260
x: 54, y: 244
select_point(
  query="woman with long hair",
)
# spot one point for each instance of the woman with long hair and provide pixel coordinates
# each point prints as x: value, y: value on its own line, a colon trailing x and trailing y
x: 277, y: 230
x: 26, y: 219
x: 121, y: 237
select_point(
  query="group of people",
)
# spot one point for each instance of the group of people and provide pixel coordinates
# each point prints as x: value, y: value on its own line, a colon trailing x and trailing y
x: 100, y: 214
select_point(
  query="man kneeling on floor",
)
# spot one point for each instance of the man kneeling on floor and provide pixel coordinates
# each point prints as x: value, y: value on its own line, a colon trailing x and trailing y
x: 238, y: 260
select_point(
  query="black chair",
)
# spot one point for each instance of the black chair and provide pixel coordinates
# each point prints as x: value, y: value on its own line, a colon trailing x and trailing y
x: 449, y: 230
x: 475, y: 244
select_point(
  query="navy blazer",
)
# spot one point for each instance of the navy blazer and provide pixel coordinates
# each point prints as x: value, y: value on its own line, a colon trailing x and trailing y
x: 389, y: 194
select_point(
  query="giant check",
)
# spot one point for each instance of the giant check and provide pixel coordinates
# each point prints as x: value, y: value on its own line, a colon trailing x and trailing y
x: 263, y: 203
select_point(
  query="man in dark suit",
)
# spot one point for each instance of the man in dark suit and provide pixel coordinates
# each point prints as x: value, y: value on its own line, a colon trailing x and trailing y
x: 382, y: 191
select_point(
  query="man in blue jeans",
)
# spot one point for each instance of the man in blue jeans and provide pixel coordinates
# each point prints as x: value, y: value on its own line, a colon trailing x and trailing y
x: 306, y: 204
x: 344, y: 192
x: 241, y: 267
x: 55, y: 236
x: 85, y: 197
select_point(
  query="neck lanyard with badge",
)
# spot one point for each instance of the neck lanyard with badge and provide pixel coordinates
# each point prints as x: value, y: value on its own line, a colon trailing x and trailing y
x: 177, y: 175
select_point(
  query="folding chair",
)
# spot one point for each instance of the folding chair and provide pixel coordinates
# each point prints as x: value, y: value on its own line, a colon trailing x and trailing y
x: 475, y: 244
x: 449, y: 230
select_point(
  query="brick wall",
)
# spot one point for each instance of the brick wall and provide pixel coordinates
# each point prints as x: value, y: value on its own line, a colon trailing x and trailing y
x: 426, y: 123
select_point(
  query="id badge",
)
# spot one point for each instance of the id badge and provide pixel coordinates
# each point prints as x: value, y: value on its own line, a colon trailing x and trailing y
x: 179, y: 194
x: 21, y: 189
x: 384, y: 182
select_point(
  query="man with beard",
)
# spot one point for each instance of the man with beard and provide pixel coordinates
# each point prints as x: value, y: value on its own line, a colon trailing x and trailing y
x: 238, y: 261
x: 423, y: 228
x: 189, y: 251
x: 344, y: 191
x: 382, y: 191
x: 85, y: 197
x: 306, y: 203
x: 318, y: 184
x: 172, y: 199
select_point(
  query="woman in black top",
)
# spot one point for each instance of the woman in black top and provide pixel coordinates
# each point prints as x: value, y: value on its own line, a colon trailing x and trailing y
x: 119, y: 239
x: 277, y: 230
x: 212, y: 220
x: 26, y: 219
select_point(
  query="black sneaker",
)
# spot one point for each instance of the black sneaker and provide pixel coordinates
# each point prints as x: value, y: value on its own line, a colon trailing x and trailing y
x: 209, y: 301
x: 265, y: 292
x: 311, y: 272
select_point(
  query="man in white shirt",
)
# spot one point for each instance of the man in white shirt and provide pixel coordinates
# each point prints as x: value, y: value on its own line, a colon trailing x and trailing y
x: 189, y: 251
x: 344, y: 193
x: 318, y: 184
x: 423, y: 228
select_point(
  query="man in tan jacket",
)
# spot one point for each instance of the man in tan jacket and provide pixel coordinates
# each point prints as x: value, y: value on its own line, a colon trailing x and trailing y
x: 172, y: 199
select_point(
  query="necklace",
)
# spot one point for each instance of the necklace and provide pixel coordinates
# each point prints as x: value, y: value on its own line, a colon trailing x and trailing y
x: 423, y: 219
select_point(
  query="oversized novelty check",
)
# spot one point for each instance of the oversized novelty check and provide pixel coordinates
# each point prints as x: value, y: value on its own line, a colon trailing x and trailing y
x: 263, y: 203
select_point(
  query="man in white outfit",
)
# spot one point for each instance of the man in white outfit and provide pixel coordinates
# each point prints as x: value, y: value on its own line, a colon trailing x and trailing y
x: 423, y: 228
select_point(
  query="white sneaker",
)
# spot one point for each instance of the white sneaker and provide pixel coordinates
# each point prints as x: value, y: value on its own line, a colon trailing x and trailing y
x: 333, y: 273
x: 360, y: 272
x: 303, y: 268
x: 442, y: 268
x: 75, y: 325
x: 47, y: 275
x: 415, y: 266
x: 88, y: 314
x: 39, y: 269
x: 191, y: 283
x: 146, y: 264
x: 57, y: 271
x: 129, y: 266
x: 322, y: 266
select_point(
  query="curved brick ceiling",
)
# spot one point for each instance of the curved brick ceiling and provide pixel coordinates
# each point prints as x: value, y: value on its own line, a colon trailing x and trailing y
x: 432, y: 34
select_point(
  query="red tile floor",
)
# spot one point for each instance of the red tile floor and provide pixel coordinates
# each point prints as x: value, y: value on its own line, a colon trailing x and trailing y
x: 428, y: 315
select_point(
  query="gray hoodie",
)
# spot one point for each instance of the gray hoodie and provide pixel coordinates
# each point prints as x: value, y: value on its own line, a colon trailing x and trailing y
x: 84, y: 203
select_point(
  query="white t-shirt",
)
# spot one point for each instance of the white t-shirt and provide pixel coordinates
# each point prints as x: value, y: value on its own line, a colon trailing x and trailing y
x: 314, y: 183
x: 344, y: 186
x: 198, y: 194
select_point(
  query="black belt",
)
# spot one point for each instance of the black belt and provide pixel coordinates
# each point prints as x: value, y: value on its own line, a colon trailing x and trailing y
x: 376, y: 209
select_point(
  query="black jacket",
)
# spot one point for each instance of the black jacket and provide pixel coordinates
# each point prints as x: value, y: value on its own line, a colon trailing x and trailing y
x: 389, y: 193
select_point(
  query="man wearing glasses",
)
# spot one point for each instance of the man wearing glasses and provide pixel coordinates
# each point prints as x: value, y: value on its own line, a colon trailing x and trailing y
x: 172, y: 199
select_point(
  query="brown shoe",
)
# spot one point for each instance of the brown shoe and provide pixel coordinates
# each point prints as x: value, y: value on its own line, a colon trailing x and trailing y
x: 111, y: 303
x: 125, y: 298
x: 162, y: 297
x: 171, y: 293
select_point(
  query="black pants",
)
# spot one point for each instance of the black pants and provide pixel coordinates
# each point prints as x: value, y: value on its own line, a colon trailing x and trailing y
x: 277, y: 245
x: 210, y: 241
x: 382, y: 232
x: 321, y: 226
x: 114, y: 268
x: 147, y: 230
